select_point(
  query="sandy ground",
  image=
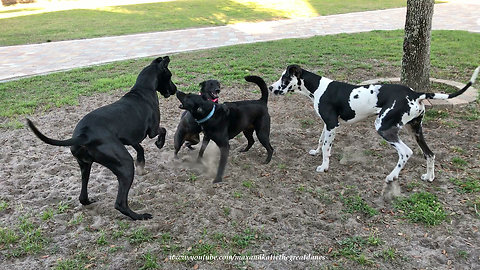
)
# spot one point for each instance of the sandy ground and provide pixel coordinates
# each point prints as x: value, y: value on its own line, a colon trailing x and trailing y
x: 290, y: 208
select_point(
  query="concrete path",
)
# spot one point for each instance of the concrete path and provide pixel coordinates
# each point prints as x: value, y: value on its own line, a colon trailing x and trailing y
x: 27, y: 60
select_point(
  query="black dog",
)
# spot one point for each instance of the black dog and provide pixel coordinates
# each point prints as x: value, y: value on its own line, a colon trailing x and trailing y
x: 188, y: 130
x: 101, y: 135
x: 221, y: 122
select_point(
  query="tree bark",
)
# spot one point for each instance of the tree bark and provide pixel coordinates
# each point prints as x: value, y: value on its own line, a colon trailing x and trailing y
x: 416, y: 44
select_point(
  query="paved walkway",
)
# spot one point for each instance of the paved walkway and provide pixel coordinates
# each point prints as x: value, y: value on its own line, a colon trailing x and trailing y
x: 28, y: 60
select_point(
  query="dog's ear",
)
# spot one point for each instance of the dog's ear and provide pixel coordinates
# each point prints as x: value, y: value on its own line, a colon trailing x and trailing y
x: 204, y: 97
x: 157, y: 60
x: 295, y: 70
x: 202, y: 84
x: 165, y: 61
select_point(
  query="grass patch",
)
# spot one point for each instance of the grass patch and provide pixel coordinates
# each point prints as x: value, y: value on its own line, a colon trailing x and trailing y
x: 140, y: 235
x: 169, y: 15
x: 47, y: 214
x: 149, y: 261
x: 421, y: 207
x: 306, y: 123
x: 325, y: 55
x: 3, y: 205
x: 26, y: 239
x: 434, y: 114
x: 468, y: 185
x: 79, y: 261
x: 356, y: 204
x: 459, y: 162
x: 201, y: 249
x: 472, y: 114
x: 353, y: 248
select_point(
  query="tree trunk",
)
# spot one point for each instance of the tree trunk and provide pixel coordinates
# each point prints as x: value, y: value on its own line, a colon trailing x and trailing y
x: 416, y: 44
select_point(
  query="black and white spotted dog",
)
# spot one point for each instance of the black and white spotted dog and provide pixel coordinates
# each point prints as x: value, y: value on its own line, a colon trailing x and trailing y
x: 395, y: 106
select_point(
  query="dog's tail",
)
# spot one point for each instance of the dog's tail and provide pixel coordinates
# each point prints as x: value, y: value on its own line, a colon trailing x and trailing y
x: 69, y: 142
x: 261, y: 83
x: 452, y: 95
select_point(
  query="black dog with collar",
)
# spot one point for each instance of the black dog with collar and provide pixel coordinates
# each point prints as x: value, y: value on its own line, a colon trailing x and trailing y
x: 188, y: 130
x: 222, y: 122
x: 101, y: 135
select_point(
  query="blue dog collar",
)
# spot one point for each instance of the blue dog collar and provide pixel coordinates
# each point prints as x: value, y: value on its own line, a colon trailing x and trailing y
x: 207, y: 117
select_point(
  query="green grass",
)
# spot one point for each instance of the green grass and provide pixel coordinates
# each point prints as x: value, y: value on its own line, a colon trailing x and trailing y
x: 8, y: 236
x: 140, y: 235
x: 354, y: 248
x: 459, y: 162
x: 421, y: 207
x: 325, y: 55
x: 102, y: 240
x: 26, y: 238
x: 180, y: 14
x: 3, y: 205
x: 201, y: 249
x: 47, y: 214
x: 149, y: 261
x: 80, y: 261
x: 433, y: 114
x: 356, y: 204
x: 468, y: 185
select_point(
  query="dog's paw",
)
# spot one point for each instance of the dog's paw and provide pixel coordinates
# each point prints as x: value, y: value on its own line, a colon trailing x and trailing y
x: 142, y: 216
x: 313, y: 152
x: 86, y: 201
x: 140, y: 168
x: 322, y: 168
x: 427, y: 177
x: 391, y: 177
x: 217, y: 180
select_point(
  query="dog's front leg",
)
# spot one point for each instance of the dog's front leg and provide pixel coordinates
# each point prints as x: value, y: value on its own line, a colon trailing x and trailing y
x: 224, y: 150
x: 140, y: 161
x: 329, y: 136
x: 205, y: 142
x: 313, y: 152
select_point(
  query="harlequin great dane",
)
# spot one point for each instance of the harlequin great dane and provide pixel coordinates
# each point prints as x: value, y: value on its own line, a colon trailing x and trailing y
x: 395, y: 105
x: 101, y: 134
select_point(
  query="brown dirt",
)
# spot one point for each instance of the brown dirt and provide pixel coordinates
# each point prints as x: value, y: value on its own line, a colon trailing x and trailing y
x: 291, y: 209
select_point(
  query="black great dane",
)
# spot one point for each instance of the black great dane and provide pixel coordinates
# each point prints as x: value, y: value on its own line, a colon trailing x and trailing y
x: 102, y: 134
x: 336, y: 102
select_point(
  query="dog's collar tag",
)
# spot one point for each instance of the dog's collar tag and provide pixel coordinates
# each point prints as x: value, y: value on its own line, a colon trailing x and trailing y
x: 207, y: 117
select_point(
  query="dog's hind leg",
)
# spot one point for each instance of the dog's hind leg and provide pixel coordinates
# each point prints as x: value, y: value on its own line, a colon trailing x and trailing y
x: 404, y: 152
x: 115, y: 157
x: 162, y: 134
x: 415, y: 126
x: 262, y: 129
x: 85, y: 162
x: 249, y: 135
x: 313, y: 152
x: 179, y: 139
x: 85, y: 168
x: 140, y: 161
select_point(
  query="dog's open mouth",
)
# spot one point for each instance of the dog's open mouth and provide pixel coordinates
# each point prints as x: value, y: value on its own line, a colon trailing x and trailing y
x: 214, y: 97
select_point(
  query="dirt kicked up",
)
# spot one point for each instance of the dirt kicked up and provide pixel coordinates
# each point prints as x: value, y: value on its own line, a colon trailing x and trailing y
x: 344, y: 218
